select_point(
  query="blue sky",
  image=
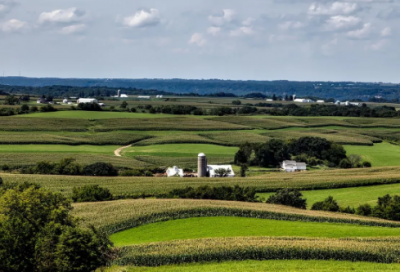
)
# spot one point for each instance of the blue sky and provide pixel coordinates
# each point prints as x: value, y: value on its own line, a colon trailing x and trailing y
x: 354, y: 40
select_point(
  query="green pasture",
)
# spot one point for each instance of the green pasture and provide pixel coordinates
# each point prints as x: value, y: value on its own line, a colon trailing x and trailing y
x: 352, y: 197
x: 266, y: 266
x: 210, y: 227
x: 89, y: 149
x: 94, y: 115
x: 383, y: 154
x: 181, y: 150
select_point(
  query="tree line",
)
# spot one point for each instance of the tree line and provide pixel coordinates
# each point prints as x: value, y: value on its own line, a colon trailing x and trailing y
x: 311, y: 150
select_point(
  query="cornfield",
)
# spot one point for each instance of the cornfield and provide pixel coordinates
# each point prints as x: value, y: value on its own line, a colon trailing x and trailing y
x: 261, y: 248
x: 116, y: 216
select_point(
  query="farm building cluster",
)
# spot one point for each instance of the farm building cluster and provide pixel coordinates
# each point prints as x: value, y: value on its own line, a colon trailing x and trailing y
x: 203, y: 170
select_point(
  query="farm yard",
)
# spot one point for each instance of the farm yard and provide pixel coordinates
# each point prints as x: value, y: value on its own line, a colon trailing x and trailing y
x: 193, y: 234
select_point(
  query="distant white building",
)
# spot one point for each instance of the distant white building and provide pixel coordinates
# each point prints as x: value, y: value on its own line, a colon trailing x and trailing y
x: 303, y: 100
x: 41, y: 101
x: 144, y: 97
x: 347, y: 103
x: 175, y: 172
x: 159, y: 96
x: 293, y: 166
x: 320, y: 101
x: 87, y: 100
x: 211, y: 170
x: 65, y: 101
x: 269, y: 100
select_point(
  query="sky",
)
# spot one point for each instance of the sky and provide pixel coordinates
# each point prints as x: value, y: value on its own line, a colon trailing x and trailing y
x: 352, y: 40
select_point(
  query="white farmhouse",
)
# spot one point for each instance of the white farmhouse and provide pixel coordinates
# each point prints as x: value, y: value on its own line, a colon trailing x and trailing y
x: 175, y: 172
x: 211, y: 170
x: 293, y: 166
x: 303, y: 100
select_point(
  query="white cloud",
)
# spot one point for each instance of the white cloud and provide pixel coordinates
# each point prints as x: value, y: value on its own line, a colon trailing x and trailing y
x: 198, y: 39
x: 386, y: 32
x: 62, y: 16
x: 328, y: 49
x: 248, y: 22
x: 13, y: 25
x: 339, y: 22
x: 143, y: 18
x: 241, y: 31
x: 228, y: 15
x: 378, y: 45
x: 73, y: 29
x: 291, y: 25
x: 336, y: 8
x: 361, y: 33
x: 214, y: 30
x: 6, y: 6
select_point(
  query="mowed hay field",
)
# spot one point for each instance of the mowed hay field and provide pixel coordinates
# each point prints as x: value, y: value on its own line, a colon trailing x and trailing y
x: 209, y: 227
x: 384, y: 154
x: 266, y: 266
x: 352, y: 197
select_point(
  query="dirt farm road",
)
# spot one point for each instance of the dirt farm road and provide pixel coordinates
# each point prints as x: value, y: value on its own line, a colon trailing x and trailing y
x: 119, y: 150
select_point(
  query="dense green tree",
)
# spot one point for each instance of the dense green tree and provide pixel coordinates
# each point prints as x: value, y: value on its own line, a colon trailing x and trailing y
x: 222, y: 172
x: 91, y: 193
x: 100, y: 169
x: 345, y: 164
x: 271, y: 153
x: 365, y: 210
x: 11, y: 100
x: 124, y: 105
x: 37, y: 233
x: 288, y: 197
x: 329, y: 204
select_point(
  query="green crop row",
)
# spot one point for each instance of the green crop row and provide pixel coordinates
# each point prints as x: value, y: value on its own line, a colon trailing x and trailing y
x: 261, y: 248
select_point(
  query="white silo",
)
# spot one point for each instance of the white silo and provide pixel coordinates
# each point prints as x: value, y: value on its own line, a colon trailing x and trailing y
x: 202, y: 166
x: 119, y: 93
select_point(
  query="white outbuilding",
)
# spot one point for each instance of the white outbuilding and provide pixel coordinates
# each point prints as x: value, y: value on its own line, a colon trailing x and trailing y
x: 293, y: 166
x: 65, y: 101
x: 87, y: 100
x: 175, y: 172
x: 211, y: 170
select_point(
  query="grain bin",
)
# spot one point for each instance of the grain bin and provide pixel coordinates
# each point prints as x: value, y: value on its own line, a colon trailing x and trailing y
x: 202, y: 166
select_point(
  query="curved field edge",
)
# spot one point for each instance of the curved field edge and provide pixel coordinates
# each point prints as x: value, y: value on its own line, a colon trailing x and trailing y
x: 261, y: 248
x: 115, y: 216
x: 266, y: 266
x: 218, y: 227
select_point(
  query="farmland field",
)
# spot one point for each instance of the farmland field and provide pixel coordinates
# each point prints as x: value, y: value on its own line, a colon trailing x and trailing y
x: 267, y: 266
x: 384, y: 154
x: 352, y: 197
x: 93, y: 115
x: 208, y: 227
x: 181, y: 150
x: 324, y: 179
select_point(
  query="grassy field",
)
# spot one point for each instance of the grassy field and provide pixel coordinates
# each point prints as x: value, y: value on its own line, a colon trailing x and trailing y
x: 209, y: 227
x: 384, y: 154
x: 181, y: 150
x: 267, y: 266
x: 90, y: 149
x: 352, y: 197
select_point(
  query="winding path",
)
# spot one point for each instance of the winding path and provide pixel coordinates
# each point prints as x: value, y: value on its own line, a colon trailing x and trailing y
x: 119, y: 150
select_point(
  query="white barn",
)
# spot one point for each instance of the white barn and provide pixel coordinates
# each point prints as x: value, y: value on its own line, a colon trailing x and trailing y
x: 175, y: 171
x: 87, y: 100
x: 211, y: 170
x: 293, y: 166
